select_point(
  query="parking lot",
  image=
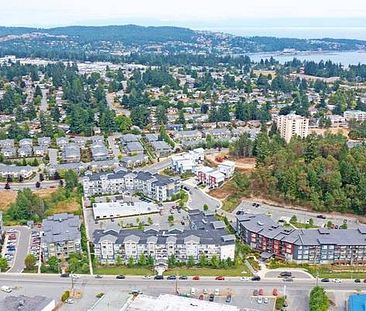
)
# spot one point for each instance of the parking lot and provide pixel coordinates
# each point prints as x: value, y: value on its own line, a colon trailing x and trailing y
x: 10, y: 246
x: 285, y: 214
x: 162, y: 219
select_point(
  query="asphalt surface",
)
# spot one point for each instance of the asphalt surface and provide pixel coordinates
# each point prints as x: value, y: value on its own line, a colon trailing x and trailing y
x: 278, y: 213
x: 297, y: 291
x: 22, y: 249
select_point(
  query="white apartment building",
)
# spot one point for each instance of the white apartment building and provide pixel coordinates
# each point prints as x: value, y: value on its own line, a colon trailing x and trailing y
x: 206, y: 237
x: 357, y: 115
x: 187, y: 162
x: 154, y: 186
x: 292, y: 125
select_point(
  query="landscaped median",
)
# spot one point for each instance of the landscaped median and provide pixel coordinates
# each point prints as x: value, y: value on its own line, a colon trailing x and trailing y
x: 323, y: 271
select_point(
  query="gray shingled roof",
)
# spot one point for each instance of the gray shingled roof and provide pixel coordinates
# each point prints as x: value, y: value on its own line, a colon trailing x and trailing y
x: 60, y: 228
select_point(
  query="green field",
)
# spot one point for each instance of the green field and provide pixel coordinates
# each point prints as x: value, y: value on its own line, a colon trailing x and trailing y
x: 114, y: 270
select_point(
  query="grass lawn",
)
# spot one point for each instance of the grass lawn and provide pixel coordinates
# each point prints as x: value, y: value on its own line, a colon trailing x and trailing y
x: 114, y: 270
x: 234, y: 271
x: 231, y: 202
x: 339, y: 273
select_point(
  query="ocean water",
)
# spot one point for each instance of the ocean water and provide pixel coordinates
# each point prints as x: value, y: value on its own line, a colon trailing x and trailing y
x: 344, y: 58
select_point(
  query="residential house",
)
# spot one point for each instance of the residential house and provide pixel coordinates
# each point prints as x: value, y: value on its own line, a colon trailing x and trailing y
x: 99, y: 151
x: 25, y: 151
x: 161, y: 148
x: 71, y: 153
x: 134, y: 147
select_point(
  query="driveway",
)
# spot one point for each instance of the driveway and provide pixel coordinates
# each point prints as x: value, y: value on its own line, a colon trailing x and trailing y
x: 52, y: 154
x: 198, y: 198
x: 22, y: 249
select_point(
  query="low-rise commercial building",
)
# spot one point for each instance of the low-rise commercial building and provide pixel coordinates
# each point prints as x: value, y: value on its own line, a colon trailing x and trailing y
x: 61, y: 236
x: 26, y: 303
x: 206, y: 237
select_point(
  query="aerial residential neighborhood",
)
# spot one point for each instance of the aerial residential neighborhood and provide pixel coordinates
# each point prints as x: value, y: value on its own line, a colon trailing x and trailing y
x: 156, y: 168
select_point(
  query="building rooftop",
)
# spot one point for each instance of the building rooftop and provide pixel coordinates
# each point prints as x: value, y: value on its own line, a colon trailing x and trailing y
x: 60, y: 228
x: 25, y: 303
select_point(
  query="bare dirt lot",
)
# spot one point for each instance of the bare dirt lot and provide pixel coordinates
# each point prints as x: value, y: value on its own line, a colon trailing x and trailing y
x: 242, y: 164
x: 335, y: 130
x: 8, y: 196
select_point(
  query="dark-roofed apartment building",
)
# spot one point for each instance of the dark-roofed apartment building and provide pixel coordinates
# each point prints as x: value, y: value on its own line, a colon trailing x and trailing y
x: 315, y: 246
x: 205, y: 237
x: 154, y: 186
x: 61, y: 236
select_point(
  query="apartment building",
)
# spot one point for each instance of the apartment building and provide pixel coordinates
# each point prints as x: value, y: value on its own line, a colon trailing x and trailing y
x: 292, y: 125
x: 314, y: 246
x: 210, y: 177
x: 187, y: 162
x: 205, y: 237
x: 154, y: 186
x: 356, y: 115
x: 61, y: 236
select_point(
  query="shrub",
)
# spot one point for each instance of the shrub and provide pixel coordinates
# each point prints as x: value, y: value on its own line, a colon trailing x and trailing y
x: 65, y: 295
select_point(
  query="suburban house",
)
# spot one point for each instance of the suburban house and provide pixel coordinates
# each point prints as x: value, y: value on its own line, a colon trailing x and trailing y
x: 99, y: 151
x: 161, y: 148
x: 134, y: 147
x: 25, y: 151
x: 71, y: 153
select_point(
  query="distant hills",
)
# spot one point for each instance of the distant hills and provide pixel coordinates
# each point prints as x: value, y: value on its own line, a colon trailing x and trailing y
x: 139, y: 35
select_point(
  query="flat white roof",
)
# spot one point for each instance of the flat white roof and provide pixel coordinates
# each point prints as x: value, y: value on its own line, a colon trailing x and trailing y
x: 123, y: 209
x: 168, y: 302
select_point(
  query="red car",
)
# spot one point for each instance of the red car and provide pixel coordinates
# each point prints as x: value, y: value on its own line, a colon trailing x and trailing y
x: 219, y: 278
x: 275, y: 292
x: 196, y: 278
x: 260, y: 292
x: 200, y: 297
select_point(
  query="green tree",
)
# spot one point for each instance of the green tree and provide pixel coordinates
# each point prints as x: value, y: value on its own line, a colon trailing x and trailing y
x: 3, y: 264
x: 215, y: 262
x: 319, y: 300
x: 205, y: 207
x: 71, y: 180
x: 131, y: 262
x: 30, y: 261
x: 53, y: 264
x: 142, y: 260
x: 190, y: 262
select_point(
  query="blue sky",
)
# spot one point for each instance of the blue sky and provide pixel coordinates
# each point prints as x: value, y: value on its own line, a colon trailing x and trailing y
x: 191, y: 13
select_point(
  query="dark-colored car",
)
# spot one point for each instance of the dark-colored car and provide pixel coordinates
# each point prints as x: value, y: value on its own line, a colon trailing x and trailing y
x: 219, y: 278
x: 228, y: 298
x: 321, y: 217
x: 98, y: 276
x: 239, y: 213
x: 158, y: 277
x: 325, y: 280
x: 211, y: 297
x: 286, y: 273
x: 256, y: 278
x: 357, y: 281
x: 171, y: 277
x: 196, y: 278
x: 65, y: 275
x: 255, y: 292
x: 288, y: 279
x: 120, y: 277
x: 183, y: 277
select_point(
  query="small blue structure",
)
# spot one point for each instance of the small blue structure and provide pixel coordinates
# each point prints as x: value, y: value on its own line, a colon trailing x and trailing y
x: 357, y: 303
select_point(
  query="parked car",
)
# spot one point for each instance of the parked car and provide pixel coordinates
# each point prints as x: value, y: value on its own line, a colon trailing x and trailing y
x: 326, y: 280
x: 211, y: 297
x: 337, y: 281
x: 98, y: 276
x: 228, y: 298
x: 120, y: 277
x: 64, y: 275
x: 288, y: 279
x: 285, y: 273
x: 260, y: 292
x: 265, y: 300
x: 200, y: 297
x: 219, y: 278
x: 321, y: 217
x: 171, y: 277
x: 357, y: 281
x: 183, y: 277
x: 275, y: 292
x: 256, y: 278
x: 255, y: 292
x: 158, y: 277
x: 196, y: 278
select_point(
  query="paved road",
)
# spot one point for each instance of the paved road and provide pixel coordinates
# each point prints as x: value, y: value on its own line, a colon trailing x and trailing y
x: 53, y: 286
x: 278, y: 213
x: 31, y: 185
x: 22, y: 249
x: 113, y: 145
x: 156, y: 167
x: 44, y: 105
x: 52, y: 154
x: 198, y: 198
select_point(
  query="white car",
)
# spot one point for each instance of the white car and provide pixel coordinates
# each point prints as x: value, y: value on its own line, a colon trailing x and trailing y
x: 337, y: 281
x: 260, y: 300
x: 75, y: 276
x: 244, y: 278
x: 147, y: 277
